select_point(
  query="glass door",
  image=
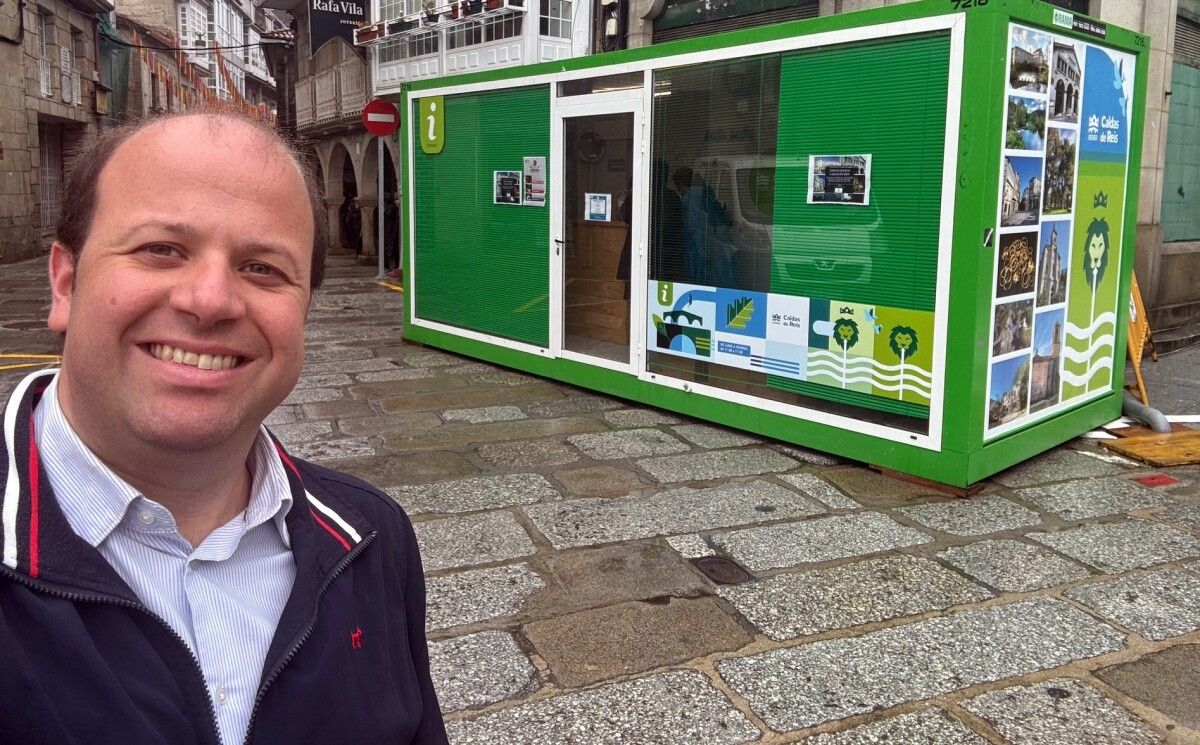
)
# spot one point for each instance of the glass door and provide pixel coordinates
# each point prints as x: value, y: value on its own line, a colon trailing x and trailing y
x: 599, y: 218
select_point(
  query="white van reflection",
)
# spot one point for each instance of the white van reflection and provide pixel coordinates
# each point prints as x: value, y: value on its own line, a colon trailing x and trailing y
x: 831, y: 244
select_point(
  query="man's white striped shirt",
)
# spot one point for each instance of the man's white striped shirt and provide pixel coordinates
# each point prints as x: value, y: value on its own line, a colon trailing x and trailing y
x: 224, y: 597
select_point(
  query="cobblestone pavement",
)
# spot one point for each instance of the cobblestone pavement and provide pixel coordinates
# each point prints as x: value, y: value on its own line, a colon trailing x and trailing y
x: 560, y: 531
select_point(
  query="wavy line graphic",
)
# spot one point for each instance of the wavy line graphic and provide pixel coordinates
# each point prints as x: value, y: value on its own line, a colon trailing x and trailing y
x: 859, y: 379
x: 827, y: 356
x: 1086, y: 333
x: 1083, y: 380
x: 827, y: 367
x: 1086, y: 356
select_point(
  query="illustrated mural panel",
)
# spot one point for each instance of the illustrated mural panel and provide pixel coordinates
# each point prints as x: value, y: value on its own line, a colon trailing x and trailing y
x: 876, y: 350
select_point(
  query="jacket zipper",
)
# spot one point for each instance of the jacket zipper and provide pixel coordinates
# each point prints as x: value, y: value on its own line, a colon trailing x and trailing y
x: 304, y: 633
x: 122, y: 603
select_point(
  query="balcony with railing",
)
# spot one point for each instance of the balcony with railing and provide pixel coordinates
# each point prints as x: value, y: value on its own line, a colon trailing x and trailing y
x: 332, y: 96
x: 417, y: 39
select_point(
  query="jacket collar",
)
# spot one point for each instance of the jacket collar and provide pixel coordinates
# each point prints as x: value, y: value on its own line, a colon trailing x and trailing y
x: 37, y: 541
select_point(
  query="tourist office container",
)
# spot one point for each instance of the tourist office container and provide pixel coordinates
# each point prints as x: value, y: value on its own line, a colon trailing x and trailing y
x: 903, y: 235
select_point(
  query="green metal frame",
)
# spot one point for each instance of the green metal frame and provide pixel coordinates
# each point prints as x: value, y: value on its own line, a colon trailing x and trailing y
x: 965, y: 457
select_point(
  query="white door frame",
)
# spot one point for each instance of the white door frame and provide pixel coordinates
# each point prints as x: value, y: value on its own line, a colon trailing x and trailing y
x: 632, y: 101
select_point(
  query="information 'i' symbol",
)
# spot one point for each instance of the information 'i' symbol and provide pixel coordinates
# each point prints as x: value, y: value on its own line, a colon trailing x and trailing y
x: 432, y: 119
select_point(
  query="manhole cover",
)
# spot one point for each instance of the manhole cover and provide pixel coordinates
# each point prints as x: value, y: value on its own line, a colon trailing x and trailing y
x: 722, y: 571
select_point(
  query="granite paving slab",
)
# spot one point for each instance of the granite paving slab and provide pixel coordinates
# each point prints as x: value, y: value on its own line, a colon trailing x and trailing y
x: 600, y: 481
x: 403, y: 421
x: 581, y: 522
x: 434, y: 359
x: 310, y: 395
x: 804, y: 603
x: 926, y: 727
x: 822, y: 539
x: 322, y: 451
x: 1168, y: 681
x: 807, y: 455
x: 282, y: 415
x: 820, y: 490
x: 501, y: 377
x: 482, y: 414
x: 618, y: 640
x: 1079, y: 500
x: 355, y: 360
x: 876, y: 489
x: 690, y: 546
x: 626, y: 418
x: 460, y: 435
x: 479, y: 493
x: 824, y: 681
x: 617, y: 573
x: 1012, y: 566
x: 1061, y: 710
x: 1186, y: 516
x: 327, y: 380
x: 386, y: 375
x: 315, y: 355
x: 664, y: 709
x: 440, y: 393
x: 337, y: 410
x: 577, y: 404
x: 1158, y: 605
x: 471, y: 539
x: 413, y: 468
x: 528, y: 453
x: 627, y: 443
x: 479, y: 669
x: 716, y: 465
x: 975, y: 516
x: 1118, y: 547
x: 477, y: 595
x: 1060, y: 464
x: 708, y: 437
x: 291, y: 434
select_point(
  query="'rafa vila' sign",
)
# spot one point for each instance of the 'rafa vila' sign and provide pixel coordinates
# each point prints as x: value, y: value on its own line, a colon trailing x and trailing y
x: 331, y: 19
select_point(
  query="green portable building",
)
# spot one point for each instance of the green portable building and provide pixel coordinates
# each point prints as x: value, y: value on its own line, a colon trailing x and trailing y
x: 902, y: 235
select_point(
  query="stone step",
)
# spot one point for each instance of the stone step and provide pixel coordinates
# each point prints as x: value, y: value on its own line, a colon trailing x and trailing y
x: 1176, y: 338
x: 1166, y: 317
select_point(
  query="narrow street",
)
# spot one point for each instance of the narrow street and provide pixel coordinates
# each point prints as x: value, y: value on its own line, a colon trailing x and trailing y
x: 563, y: 535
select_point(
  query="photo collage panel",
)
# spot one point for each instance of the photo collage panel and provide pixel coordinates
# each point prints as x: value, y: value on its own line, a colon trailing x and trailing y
x: 1036, y: 211
x: 1063, y: 168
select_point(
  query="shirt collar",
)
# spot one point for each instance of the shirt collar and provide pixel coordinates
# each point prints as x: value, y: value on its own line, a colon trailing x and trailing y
x: 95, y: 500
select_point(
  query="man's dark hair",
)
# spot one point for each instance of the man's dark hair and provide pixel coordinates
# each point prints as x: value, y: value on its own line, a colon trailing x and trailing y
x: 80, y: 192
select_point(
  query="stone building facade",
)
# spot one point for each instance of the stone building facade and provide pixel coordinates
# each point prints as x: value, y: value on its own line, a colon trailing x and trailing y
x: 51, y: 100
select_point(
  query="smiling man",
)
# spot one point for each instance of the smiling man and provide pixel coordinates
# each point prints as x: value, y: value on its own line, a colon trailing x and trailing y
x: 169, y: 575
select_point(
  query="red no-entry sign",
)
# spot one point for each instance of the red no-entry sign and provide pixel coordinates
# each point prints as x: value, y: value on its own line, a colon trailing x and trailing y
x: 380, y: 118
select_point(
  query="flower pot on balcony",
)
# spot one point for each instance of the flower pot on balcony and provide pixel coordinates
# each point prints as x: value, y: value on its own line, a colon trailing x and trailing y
x: 494, y: 4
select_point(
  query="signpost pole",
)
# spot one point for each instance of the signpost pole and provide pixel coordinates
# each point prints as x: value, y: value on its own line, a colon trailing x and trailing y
x: 380, y: 119
x: 380, y: 214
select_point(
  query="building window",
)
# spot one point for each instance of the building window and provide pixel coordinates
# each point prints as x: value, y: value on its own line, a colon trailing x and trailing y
x: 464, y: 35
x: 556, y: 18
x: 47, y: 33
x: 1075, y: 6
x: 503, y: 26
x: 390, y: 51
x: 422, y: 44
x: 392, y: 9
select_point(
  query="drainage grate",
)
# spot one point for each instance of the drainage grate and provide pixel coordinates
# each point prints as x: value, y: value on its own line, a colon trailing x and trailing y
x: 722, y: 571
